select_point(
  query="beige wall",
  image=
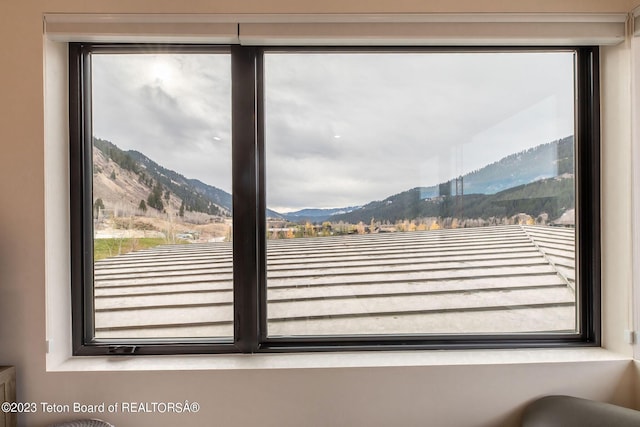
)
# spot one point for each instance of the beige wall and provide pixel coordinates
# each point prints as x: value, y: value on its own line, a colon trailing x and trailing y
x: 330, y: 6
x: 636, y: 372
x: 465, y: 395
x: 616, y: 193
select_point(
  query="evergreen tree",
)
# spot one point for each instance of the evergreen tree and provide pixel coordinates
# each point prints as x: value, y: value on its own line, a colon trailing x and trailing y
x: 155, y: 198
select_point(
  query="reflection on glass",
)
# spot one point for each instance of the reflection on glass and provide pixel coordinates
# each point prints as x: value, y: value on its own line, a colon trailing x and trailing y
x: 420, y: 193
x: 161, y: 202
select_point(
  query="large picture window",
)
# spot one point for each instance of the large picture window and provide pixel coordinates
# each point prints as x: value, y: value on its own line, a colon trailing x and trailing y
x: 259, y: 199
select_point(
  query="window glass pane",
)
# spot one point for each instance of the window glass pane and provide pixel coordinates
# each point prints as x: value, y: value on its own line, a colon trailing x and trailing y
x: 429, y: 193
x: 161, y: 195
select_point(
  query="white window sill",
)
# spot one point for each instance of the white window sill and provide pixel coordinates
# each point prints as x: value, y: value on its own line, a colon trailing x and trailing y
x: 334, y: 360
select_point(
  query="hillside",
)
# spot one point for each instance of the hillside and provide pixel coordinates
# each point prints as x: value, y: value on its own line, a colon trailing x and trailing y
x: 316, y: 215
x: 118, y: 187
x: 551, y: 196
x: 540, y: 162
x: 534, y: 182
x: 538, y: 181
x: 537, y: 163
x: 123, y: 179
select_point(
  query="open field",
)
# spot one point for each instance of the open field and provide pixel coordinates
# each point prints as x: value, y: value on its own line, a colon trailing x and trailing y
x: 105, y: 248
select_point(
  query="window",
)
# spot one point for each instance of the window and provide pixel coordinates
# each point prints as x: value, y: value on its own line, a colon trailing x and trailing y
x: 259, y: 199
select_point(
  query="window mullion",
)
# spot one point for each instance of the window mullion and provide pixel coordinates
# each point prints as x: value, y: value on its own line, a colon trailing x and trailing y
x: 245, y: 201
x: 588, y: 160
x: 262, y: 199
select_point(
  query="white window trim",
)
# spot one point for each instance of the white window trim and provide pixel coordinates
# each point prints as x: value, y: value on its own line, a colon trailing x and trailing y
x: 634, y: 333
x: 63, y: 28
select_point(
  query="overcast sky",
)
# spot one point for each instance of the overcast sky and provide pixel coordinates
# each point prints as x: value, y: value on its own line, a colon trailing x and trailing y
x: 341, y: 130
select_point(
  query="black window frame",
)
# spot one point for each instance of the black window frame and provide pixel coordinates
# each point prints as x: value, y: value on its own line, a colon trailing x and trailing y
x: 249, y: 208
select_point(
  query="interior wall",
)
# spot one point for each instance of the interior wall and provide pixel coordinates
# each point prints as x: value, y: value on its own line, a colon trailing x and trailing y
x: 474, y: 395
x: 337, y: 6
x: 482, y: 396
x: 636, y: 386
x: 616, y: 194
x: 635, y: 155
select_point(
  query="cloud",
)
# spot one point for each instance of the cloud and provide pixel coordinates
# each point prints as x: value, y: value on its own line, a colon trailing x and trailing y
x: 173, y: 108
x: 404, y: 120
x: 341, y: 129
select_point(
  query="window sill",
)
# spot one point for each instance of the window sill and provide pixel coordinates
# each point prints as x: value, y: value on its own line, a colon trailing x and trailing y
x: 335, y: 360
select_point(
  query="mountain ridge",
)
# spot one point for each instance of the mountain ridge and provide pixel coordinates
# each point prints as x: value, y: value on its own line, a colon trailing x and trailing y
x: 175, y: 188
x: 489, y: 190
x: 537, y: 164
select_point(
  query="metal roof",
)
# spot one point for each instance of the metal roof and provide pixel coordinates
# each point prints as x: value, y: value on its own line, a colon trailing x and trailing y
x: 473, y: 280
